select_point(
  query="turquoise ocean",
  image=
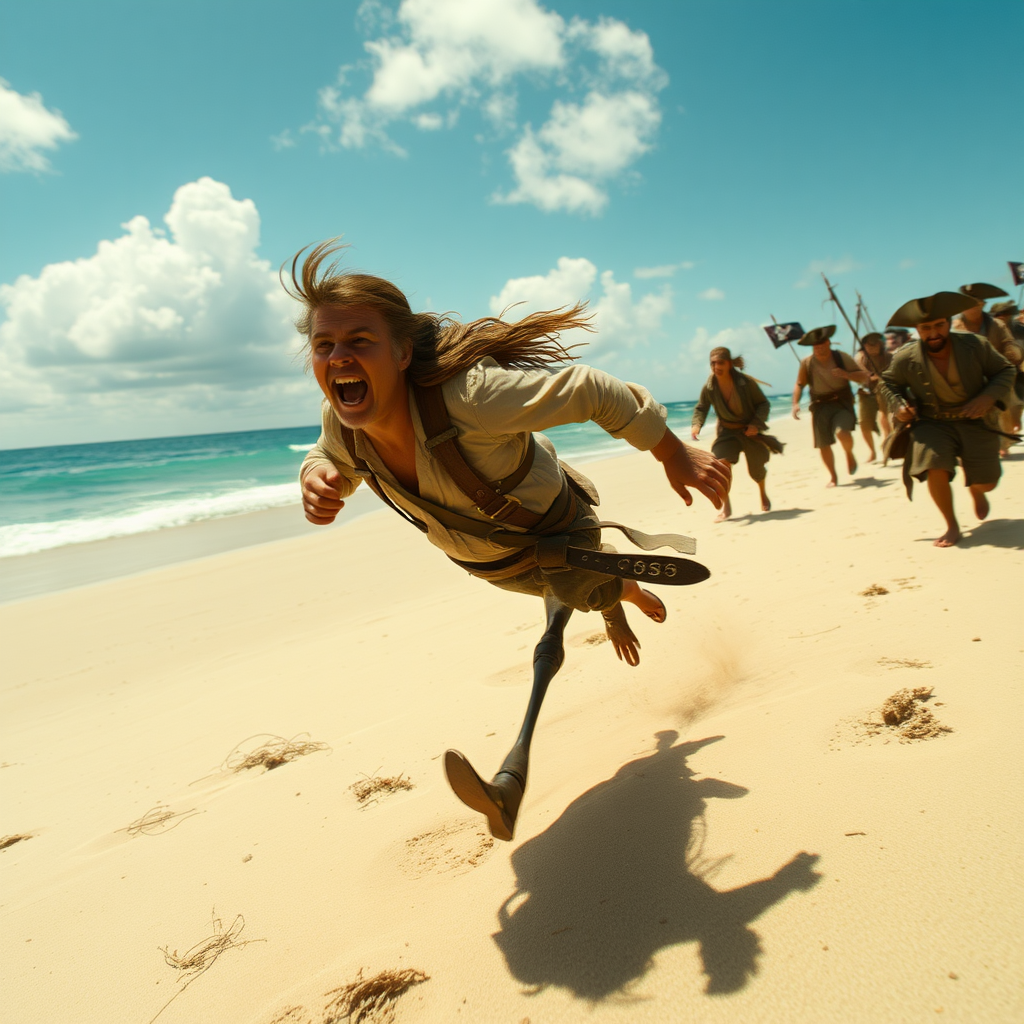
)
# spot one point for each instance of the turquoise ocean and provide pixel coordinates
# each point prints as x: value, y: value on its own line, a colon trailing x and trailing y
x: 69, y: 494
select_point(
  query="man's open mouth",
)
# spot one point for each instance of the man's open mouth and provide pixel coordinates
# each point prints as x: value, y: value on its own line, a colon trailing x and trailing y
x: 350, y: 390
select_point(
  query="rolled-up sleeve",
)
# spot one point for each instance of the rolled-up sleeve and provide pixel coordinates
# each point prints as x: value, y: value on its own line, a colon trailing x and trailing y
x: 329, y: 453
x: 509, y: 401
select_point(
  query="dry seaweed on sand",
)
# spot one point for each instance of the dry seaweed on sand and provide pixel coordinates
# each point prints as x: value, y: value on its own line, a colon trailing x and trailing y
x: 874, y: 591
x: 273, y: 752
x: 7, y: 841
x: 157, y: 820
x: 904, y: 712
x: 371, y: 999
x: 203, y: 955
x: 903, y: 663
x: 370, y: 788
x: 198, y: 959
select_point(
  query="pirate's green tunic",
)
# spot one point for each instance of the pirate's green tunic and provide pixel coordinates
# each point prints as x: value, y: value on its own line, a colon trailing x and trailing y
x: 747, y: 407
x: 939, y: 436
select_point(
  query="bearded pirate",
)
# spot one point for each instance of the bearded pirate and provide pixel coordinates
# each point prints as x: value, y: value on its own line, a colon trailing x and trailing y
x: 438, y: 418
x: 827, y: 373
x: 742, y: 411
x: 941, y: 388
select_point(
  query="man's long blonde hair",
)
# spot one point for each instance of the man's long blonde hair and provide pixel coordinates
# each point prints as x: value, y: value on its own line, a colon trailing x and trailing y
x: 441, y: 346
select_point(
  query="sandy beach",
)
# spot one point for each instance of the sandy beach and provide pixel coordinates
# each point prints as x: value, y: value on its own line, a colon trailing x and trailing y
x: 727, y: 833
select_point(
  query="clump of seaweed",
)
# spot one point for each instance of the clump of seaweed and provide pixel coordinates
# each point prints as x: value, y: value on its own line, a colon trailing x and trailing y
x: 272, y: 753
x: 7, y: 841
x: 874, y: 591
x: 904, y: 712
x: 371, y: 999
x: 371, y: 788
x: 903, y: 663
x: 157, y: 820
x: 198, y: 959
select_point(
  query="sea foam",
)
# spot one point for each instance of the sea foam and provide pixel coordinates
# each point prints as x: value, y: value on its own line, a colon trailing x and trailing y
x: 26, y: 538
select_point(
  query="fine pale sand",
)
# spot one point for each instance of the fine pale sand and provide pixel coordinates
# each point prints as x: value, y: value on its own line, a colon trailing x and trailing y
x: 727, y: 833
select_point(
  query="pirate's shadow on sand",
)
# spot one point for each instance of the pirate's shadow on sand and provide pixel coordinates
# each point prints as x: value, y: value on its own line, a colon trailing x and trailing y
x: 749, y: 518
x: 869, y: 481
x: 619, y: 876
x: 997, y: 533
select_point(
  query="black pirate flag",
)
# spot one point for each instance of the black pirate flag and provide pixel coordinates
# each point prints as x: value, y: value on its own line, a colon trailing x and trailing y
x: 782, y: 334
x: 1017, y: 269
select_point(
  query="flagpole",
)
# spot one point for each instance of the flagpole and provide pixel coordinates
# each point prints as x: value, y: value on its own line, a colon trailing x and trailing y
x: 867, y: 314
x: 835, y: 298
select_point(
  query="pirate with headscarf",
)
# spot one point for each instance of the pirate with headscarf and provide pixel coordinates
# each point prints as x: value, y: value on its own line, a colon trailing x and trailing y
x: 742, y: 413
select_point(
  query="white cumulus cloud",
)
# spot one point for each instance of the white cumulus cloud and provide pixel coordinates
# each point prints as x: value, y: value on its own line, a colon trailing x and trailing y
x: 436, y: 57
x: 711, y: 295
x: 154, y: 327
x: 622, y: 321
x: 829, y: 267
x: 663, y: 269
x: 27, y: 128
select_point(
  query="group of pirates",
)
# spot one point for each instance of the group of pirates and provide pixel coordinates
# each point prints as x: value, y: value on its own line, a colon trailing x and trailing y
x: 443, y: 420
x: 951, y: 396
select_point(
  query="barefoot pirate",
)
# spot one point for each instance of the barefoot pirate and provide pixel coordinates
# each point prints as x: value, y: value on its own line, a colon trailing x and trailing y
x: 873, y: 359
x: 941, y: 388
x: 438, y: 418
x: 742, y: 412
x: 827, y: 373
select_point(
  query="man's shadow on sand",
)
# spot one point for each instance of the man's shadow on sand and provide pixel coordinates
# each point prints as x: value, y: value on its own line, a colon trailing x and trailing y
x: 998, y: 533
x: 766, y: 517
x: 615, y: 879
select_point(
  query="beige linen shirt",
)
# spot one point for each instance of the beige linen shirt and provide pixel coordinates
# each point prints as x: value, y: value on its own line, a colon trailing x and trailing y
x: 495, y: 410
x: 819, y: 378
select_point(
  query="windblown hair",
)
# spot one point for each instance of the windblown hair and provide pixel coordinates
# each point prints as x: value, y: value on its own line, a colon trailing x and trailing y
x: 724, y: 353
x: 441, y: 345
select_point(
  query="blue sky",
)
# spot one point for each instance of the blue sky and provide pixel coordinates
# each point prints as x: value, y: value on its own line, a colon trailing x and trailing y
x: 687, y: 166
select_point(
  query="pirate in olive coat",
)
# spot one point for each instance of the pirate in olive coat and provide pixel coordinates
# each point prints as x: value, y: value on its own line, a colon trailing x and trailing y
x: 742, y: 412
x: 943, y: 388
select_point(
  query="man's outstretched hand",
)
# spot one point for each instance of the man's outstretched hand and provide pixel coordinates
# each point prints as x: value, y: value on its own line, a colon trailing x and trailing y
x: 321, y: 499
x: 692, y: 467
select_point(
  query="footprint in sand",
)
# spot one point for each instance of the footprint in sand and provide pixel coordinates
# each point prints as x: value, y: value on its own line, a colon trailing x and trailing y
x: 453, y: 847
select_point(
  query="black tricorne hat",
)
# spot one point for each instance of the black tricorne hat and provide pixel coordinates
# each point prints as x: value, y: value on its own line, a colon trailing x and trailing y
x: 818, y: 335
x: 982, y: 291
x: 940, y: 306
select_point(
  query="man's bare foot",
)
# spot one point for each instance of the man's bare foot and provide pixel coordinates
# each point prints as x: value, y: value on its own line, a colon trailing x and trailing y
x: 766, y: 505
x: 981, y: 506
x: 725, y: 513
x: 627, y: 647
x: 650, y: 604
x: 949, y: 538
x: 851, y: 463
x: 833, y: 482
x: 873, y: 459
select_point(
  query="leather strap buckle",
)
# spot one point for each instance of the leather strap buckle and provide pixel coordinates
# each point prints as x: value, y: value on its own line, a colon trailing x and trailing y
x: 508, y: 506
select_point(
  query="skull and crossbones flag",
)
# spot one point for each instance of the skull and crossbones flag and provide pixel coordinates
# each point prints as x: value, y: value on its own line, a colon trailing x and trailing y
x: 1017, y: 269
x: 782, y: 334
